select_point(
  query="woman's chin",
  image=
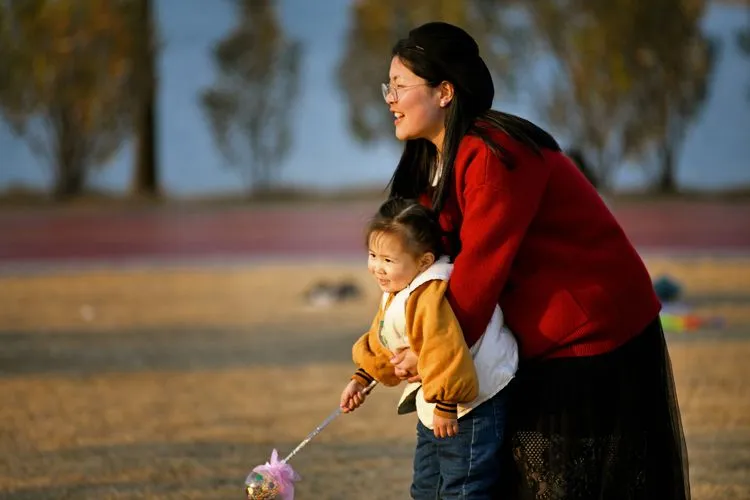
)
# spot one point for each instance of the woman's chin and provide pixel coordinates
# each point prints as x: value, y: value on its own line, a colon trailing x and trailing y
x: 403, y: 135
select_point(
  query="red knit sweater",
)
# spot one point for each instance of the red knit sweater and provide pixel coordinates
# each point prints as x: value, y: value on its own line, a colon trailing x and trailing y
x: 540, y: 241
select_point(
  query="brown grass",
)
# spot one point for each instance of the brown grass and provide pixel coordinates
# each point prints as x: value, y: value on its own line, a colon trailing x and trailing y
x: 173, y: 383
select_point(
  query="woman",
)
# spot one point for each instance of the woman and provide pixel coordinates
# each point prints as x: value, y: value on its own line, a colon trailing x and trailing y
x: 593, y: 413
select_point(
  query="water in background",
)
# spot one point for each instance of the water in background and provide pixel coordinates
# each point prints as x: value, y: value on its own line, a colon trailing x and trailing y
x: 715, y: 155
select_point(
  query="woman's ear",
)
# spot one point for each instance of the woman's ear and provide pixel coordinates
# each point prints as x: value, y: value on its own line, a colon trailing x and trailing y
x: 446, y: 93
x: 426, y: 260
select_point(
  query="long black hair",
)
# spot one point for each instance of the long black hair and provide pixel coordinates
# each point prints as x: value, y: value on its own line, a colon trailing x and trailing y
x: 439, y: 52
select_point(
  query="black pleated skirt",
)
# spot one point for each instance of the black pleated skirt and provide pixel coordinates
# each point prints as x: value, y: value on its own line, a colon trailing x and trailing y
x: 602, y: 427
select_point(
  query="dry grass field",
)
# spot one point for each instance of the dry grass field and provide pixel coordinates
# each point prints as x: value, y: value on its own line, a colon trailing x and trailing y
x: 172, y: 382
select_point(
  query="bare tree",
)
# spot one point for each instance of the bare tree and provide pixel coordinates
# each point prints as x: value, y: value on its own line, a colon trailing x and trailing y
x: 743, y: 40
x: 145, y: 181
x: 249, y: 106
x: 632, y: 77
x: 65, y: 84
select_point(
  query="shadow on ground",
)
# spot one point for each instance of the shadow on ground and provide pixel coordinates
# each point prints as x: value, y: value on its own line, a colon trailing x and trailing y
x: 86, y: 353
x: 206, y: 470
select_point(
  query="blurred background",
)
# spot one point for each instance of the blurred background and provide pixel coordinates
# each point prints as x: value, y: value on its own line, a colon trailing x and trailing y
x: 183, y: 186
x: 195, y: 98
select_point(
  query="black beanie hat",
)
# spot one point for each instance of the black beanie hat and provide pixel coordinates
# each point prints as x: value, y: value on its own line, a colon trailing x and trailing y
x: 457, y: 54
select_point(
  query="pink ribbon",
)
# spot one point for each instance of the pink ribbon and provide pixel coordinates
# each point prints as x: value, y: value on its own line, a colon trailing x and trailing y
x: 282, y: 473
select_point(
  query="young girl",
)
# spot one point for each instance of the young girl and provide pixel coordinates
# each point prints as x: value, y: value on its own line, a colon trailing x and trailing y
x: 458, y: 437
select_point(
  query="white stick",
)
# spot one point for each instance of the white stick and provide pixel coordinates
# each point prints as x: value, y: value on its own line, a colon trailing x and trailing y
x: 323, y: 424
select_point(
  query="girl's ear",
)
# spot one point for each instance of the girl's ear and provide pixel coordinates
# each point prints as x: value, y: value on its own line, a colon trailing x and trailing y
x: 426, y: 260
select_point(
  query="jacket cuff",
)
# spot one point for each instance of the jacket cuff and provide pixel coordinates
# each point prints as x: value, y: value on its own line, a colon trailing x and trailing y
x: 363, y: 377
x: 446, y: 410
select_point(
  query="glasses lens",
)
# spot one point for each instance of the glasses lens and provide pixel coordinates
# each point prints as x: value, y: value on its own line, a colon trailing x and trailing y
x: 386, y: 89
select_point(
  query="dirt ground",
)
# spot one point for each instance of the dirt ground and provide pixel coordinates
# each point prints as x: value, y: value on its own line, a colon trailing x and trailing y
x: 172, y: 382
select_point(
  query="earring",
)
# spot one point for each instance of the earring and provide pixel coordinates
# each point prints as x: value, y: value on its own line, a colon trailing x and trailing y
x: 443, y: 104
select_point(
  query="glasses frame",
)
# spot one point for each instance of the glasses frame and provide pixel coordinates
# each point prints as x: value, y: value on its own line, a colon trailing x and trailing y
x: 387, y: 89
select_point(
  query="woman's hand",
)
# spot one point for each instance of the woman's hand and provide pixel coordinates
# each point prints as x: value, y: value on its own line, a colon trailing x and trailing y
x: 353, y: 396
x: 405, y: 365
x: 444, y: 427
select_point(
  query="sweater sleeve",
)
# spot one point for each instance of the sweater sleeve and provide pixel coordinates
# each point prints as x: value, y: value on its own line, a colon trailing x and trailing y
x: 444, y: 361
x: 372, y: 359
x: 499, y: 205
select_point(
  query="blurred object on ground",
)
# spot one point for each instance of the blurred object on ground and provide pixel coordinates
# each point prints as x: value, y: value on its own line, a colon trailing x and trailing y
x: 271, y: 295
x: 667, y: 289
x: 673, y: 322
x: 677, y: 316
x: 325, y: 294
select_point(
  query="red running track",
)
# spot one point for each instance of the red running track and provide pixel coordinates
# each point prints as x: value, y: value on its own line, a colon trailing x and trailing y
x: 55, y: 235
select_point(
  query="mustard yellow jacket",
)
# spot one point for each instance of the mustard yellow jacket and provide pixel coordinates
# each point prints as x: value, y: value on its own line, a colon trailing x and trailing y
x: 445, y: 363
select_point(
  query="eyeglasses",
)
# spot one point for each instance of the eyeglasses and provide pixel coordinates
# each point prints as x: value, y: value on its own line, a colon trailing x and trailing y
x: 389, y: 89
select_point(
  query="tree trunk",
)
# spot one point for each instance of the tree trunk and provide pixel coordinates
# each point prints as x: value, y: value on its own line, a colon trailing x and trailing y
x: 667, y: 182
x: 601, y: 172
x: 145, y: 172
x: 70, y: 167
x: 71, y: 175
x: 68, y: 184
x: 145, y: 180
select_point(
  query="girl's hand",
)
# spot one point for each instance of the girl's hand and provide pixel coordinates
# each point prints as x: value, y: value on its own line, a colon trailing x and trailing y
x: 352, y: 397
x: 405, y: 365
x: 444, y: 427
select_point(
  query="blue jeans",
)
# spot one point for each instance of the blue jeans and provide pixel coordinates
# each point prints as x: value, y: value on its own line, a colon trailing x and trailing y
x: 466, y: 466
